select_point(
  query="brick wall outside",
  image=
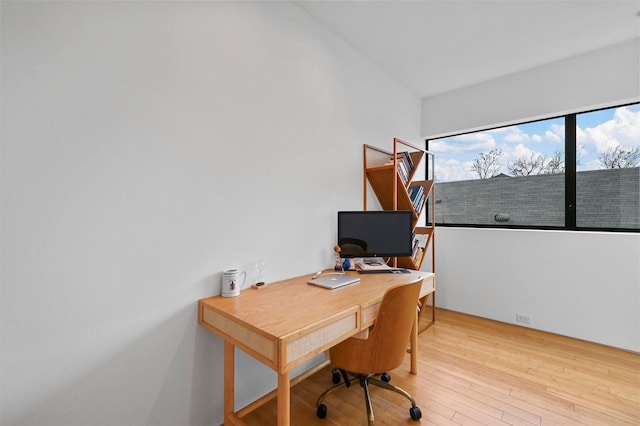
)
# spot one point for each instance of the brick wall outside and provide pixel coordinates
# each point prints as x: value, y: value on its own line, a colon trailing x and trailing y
x: 605, y: 198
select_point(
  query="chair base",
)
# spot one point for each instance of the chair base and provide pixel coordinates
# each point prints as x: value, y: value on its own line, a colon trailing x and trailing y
x: 365, y: 381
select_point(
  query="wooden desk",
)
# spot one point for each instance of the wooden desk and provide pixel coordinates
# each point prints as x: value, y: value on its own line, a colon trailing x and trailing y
x: 290, y: 321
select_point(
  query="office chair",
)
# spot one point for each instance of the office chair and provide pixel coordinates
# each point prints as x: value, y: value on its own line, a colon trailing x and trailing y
x: 383, y: 350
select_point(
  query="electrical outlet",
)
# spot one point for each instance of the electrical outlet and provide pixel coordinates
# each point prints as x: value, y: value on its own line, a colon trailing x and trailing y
x: 524, y: 319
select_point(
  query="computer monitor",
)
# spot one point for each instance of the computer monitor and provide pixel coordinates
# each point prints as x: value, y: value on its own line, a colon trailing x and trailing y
x: 375, y: 233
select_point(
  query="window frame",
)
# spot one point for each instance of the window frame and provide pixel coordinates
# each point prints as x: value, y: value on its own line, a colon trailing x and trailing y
x: 570, y: 160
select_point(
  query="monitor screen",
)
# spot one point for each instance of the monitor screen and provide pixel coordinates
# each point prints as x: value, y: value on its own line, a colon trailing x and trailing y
x: 375, y: 233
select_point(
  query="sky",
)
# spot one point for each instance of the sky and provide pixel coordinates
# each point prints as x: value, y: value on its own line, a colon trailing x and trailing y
x: 597, y: 131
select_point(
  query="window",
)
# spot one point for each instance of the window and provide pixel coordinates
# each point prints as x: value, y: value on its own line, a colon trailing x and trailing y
x: 608, y: 168
x: 579, y: 171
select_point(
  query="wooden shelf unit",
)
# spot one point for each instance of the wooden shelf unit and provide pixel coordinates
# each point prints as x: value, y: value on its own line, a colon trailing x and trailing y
x: 382, y: 174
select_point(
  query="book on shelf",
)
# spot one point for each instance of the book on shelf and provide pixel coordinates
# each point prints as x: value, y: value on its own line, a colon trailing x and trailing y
x: 418, y: 259
x: 409, y: 159
x: 405, y: 157
x: 419, y: 243
x: 404, y: 165
x: 419, y: 203
x: 416, y: 195
x: 404, y: 174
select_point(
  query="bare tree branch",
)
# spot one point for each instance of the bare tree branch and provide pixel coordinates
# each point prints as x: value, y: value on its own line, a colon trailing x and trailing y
x: 487, y: 164
x: 555, y: 164
x: 525, y: 166
x: 620, y: 158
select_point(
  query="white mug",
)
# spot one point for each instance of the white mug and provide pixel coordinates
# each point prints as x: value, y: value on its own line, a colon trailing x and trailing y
x: 231, y: 282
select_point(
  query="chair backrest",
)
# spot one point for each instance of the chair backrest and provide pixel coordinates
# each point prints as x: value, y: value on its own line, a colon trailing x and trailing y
x: 392, y: 329
x: 386, y: 346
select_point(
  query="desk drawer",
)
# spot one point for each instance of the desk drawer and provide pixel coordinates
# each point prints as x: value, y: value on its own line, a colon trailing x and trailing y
x: 428, y: 286
x: 307, y: 343
x: 370, y: 313
x: 260, y: 346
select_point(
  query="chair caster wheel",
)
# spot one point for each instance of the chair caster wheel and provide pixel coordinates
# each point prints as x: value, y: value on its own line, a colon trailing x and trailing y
x: 414, y: 412
x: 385, y: 377
x: 321, y: 412
x: 335, y: 376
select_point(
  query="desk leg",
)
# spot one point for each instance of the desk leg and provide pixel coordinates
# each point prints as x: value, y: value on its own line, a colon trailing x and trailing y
x: 284, y: 399
x: 229, y: 382
x: 414, y: 346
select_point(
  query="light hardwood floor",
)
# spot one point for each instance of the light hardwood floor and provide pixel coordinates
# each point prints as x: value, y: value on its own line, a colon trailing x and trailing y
x: 474, y: 371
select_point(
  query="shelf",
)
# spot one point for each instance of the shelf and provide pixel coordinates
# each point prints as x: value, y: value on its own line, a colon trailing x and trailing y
x: 398, y: 168
x: 381, y: 180
x: 408, y: 262
x: 389, y: 171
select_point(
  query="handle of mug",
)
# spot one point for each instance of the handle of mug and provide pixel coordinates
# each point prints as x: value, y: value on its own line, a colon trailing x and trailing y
x: 244, y: 280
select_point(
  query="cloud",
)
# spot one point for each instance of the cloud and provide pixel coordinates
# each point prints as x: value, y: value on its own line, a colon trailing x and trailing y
x: 440, y: 145
x: 583, y: 150
x: 453, y: 170
x: 591, y: 165
x: 555, y: 133
x: 478, y: 139
x: 470, y: 142
x: 515, y: 134
x: 517, y: 152
x: 521, y: 150
x: 622, y: 130
x: 552, y: 136
x: 627, y: 127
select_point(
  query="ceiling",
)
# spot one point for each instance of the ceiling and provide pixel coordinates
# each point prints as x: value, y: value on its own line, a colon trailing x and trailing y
x: 434, y: 46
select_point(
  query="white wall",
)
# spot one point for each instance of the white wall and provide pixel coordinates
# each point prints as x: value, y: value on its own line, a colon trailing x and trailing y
x: 579, y: 284
x: 145, y: 148
x: 584, y: 285
x: 603, y: 77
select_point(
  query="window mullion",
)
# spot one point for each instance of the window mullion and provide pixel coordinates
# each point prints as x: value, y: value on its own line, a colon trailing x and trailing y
x: 570, y: 144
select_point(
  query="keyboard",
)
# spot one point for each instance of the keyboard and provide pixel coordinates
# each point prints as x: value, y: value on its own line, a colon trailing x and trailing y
x: 384, y: 271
